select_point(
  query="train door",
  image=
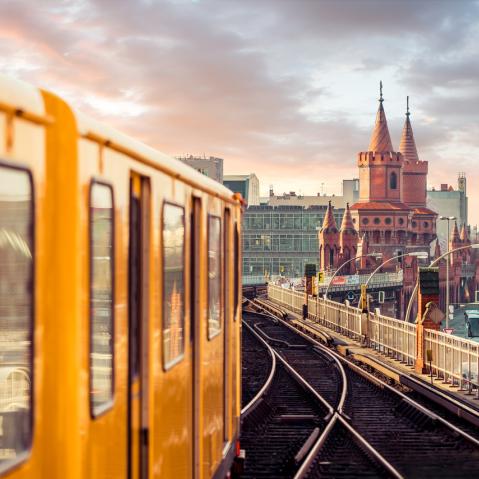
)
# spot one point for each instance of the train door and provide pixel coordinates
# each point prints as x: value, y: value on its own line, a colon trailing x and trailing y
x: 195, y: 338
x: 138, y: 269
x: 227, y: 325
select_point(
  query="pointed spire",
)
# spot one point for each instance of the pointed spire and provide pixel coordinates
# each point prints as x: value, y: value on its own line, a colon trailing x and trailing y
x: 437, y: 250
x: 464, y: 234
x: 455, y: 238
x: 347, y: 223
x: 380, y: 139
x: 408, y: 145
x: 329, y: 221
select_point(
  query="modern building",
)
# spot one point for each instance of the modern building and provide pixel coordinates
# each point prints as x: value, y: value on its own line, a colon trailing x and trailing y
x: 350, y: 195
x: 447, y: 201
x: 247, y: 185
x: 280, y: 240
x: 211, y: 167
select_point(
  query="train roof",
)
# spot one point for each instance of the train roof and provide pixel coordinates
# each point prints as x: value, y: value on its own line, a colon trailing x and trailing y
x: 88, y: 127
x: 18, y: 95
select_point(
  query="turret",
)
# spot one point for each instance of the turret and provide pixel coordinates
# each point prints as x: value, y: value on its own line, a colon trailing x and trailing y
x: 414, y: 171
x: 437, y: 250
x: 348, y: 241
x: 329, y: 241
x: 380, y: 168
x: 464, y: 236
x: 454, y: 243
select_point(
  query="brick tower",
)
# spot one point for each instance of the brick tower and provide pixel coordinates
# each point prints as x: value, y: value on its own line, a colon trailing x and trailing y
x: 348, y: 242
x: 329, y: 242
x: 422, y: 228
x: 391, y: 210
x: 380, y: 213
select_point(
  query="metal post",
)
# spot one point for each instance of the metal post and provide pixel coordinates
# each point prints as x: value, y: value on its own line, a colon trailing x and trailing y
x: 447, y: 272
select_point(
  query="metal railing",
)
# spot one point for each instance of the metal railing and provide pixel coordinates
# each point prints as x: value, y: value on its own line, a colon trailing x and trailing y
x: 454, y: 360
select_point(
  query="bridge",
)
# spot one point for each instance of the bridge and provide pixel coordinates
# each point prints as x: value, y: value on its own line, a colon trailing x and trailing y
x: 335, y: 394
x: 451, y: 359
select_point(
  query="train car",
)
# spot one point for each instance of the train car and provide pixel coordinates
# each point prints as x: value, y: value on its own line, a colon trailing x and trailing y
x: 119, y: 302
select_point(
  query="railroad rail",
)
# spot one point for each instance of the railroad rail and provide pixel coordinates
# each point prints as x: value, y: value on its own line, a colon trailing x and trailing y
x: 391, y: 430
x: 257, y: 359
x: 290, y: 420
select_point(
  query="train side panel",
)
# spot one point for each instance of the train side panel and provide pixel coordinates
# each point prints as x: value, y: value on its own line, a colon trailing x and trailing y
x: 82, y: 389
x: 24, y: 408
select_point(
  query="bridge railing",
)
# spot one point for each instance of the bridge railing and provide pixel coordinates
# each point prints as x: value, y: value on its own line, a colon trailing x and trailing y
x: 454, y: 359
x: 392, y: 337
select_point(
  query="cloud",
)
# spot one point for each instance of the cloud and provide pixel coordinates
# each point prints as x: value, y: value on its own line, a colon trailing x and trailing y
x: 286, y: 89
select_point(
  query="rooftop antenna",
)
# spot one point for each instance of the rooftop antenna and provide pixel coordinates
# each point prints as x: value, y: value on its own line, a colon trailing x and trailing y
x: 407, y: 106
x: 381, y: 99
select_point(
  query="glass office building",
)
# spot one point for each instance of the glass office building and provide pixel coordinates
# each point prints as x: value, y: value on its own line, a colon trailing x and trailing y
x: 280, y: 240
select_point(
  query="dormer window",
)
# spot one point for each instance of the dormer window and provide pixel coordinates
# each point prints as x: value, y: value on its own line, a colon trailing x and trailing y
x: 393, y: 181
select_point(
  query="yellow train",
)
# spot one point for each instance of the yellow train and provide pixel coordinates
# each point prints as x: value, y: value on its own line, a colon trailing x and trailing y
x: 119, y: 302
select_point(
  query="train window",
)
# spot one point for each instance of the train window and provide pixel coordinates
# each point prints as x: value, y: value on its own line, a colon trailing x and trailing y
x: 16, y: 314
x: 173, y: 284
x: 236, y: 269
x: 214, y: 276
x: 101, y: 297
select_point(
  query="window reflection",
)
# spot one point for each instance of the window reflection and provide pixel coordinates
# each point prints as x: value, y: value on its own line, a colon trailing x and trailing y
x: 101, y: 298
x: 214, y: 276
x: 16, y: 312
x: 173, y: 279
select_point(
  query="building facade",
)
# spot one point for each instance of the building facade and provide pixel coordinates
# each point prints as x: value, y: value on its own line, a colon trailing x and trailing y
x: 280, y: 240
x: 392, y: 218
x: 247, y: 185
x: 211, y: 167
x: 449, y: 201
x: 350, y: 195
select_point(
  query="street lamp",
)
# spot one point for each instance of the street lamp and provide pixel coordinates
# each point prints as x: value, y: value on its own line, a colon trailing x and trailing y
x: 448, y: 219
x: 373, y: 255
x: 417, y: 254
x: 433, y: 263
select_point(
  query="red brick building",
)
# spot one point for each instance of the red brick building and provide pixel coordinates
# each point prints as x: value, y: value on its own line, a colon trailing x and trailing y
x: 391, y: 217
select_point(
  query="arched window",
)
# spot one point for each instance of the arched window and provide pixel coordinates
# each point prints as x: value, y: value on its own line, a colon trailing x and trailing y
x: 393, y: 181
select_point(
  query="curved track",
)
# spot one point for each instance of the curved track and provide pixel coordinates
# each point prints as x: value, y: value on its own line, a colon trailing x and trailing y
x: 281, y: 432
x: 387, y: 427
x: 256, y: 365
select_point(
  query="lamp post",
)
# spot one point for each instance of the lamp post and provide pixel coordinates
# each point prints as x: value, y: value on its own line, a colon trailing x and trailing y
x: 373, y: 255
x: 448, y: 219
x: 433, y: 263
x: 417, y: 254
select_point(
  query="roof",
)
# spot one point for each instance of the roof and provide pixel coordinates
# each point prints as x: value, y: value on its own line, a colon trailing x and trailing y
x: 381, y: 206
x: 380, y: 139
x: 464, y: 235
x: 87, y: 125
x: 455, y: 238
x: 238, y: 177
x: 329, y: 221
x: 408, y: 145
x: 423, y: 211
x: 22, y: 96
x: 347, y: 223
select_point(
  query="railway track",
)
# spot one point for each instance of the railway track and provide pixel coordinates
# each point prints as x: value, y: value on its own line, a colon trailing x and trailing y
x: 388, y: 429
x: 253, y: 378
x: 287, y: 420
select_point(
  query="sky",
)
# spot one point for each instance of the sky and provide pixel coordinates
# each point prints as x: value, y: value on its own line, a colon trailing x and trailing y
x: 286, y: 89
